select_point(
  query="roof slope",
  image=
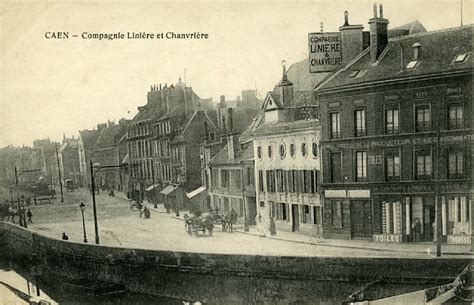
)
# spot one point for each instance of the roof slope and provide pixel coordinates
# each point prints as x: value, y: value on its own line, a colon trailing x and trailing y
x: 437, y: 54
x: 222, y: 157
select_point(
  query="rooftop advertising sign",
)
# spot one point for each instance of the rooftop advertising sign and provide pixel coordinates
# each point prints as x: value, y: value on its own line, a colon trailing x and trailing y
x: 324, y: 52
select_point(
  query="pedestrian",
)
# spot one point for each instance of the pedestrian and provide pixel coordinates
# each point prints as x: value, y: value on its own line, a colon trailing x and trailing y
x: 146, y: 212
x: 29, y: 215
x: 232, y: 220
x: 224, y: 223
x: 65, y: 237
x: 272, y: 226
x: 259, y: 221
x: 416, y: 230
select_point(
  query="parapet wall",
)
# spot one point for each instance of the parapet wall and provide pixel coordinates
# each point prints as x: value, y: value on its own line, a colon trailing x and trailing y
x: 149, y: 270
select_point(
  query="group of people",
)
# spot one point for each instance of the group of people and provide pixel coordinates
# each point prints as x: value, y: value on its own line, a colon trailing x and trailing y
x: 227, y: 221
x: 261, y: 225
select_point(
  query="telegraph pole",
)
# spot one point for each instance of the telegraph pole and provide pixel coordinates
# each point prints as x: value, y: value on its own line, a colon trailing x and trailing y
x: 59, y: 175
x: 94, y: 209
x: 439, y: 229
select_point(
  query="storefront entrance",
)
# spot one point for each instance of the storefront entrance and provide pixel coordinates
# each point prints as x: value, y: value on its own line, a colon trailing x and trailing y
x: 423, y: 212
x: 361, y: 219
x: 295, y: 218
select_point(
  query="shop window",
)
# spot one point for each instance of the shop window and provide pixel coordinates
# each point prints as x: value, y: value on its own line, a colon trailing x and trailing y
x: 361, y: 166
x: 458, y: 216
x: 392, y: 167
x: 455, y: 165
x: 455, y: 116
x: 423, y: 165
x: 392, y: 217
x: 334, y: 120
x: 305, y: 214
x: 359, y: 120
x: 423, y: 118
x: 336, y: 209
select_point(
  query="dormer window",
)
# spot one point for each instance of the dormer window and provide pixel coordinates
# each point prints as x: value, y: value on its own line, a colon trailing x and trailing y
x: 412, y: 64
x: 460, y: 58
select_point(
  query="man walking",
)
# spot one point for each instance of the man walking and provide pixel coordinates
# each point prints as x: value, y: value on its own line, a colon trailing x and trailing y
x: 232, y: 220
x: 29, y: 215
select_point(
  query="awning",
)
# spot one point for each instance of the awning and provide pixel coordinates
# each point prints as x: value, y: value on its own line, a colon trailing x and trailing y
x: 195, y: 192
x: 151, y: 187
x: 125, y: 159
x: 167, y: 190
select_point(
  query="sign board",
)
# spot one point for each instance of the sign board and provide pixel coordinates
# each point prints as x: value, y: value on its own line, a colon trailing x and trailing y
x: 325, y: 53
x: 387, y: 238
x: 459, y: 239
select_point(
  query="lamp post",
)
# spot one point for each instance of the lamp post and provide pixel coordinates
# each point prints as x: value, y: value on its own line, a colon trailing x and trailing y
x: 246, y: 222
x: 97, y: 168
x: 59, y: 175
x: 82, y: 207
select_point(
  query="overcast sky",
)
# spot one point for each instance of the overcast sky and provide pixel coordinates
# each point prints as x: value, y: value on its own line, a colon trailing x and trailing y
x: 51, y: 87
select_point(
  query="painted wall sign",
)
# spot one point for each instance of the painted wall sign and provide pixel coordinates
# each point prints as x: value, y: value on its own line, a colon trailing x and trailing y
x: 387, y: 238
x: 459, y: 239
x: 324, y: 52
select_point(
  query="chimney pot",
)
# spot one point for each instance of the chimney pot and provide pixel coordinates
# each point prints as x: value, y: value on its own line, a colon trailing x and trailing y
x: 375, y: 10
x: 346, y: 18
x: 381, y: 10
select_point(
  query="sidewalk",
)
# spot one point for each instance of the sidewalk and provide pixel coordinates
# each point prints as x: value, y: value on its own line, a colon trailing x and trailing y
x: 423, y: 247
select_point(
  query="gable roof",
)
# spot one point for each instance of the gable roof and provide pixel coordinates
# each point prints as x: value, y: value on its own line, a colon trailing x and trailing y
x: 410, y: 28
x: 222, y: 157
x: 437, y: 54
x: 110, y: 135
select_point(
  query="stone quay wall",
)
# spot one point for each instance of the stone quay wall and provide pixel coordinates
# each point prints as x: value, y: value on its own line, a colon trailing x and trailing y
x: 163, y: 272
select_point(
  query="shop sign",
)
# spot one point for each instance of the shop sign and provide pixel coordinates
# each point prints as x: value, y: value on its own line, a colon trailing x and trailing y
x: 325, y: 52
x: 387, y: 238
x: 459, y: 239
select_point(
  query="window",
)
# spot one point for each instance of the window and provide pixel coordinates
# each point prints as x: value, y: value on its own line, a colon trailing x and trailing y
x: 455, y: 164
x: 392, y: 167
x: 305, y: 213
x: 334, y: 119
x: 361, y: 166
x: 270, y: 151
x: 316, y: 215
x: 336, y: 213
x: 259, y: 152
x: 212, y: 136
x: 423, y: 165
x: 282, y: 151
x: 279, y: 211
x: 423, y: 119
x: 455, y: 118
x: 391, y: 121
x: 391, y: 217
x: 314, y: 149
x: 292, y: 150
x: 250, y: 175
x: 293, y: 181
x: 281, y: 181
x: 359, y: 119
x: 270, y: 181
x: 260, y: 181
x: 224, y: 178
x: 304, y: 150
x: 335, y: 167
x: 309, y: 181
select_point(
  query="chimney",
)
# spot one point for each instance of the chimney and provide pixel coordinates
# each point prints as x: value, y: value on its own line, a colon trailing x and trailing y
x: 378, y: 34
x: 285, y: 88
x: 222, y: 99
x: 206, y: 131
x: 232, y: 146
x: 230, y: 119
x: 352, y: 40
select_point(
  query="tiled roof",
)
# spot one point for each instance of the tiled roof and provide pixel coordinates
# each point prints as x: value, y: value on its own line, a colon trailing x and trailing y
x: 110, y: 135
x: 302, y: 80
x: 411, y: 28
x: 222, y: 157
x: 270, y: 129
x: 437, y: 54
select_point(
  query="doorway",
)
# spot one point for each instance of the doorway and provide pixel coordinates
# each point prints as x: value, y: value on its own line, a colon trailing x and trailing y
x: 361, y: 219
x: 295, y: 218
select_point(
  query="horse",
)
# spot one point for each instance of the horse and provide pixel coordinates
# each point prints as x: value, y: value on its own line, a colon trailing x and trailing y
x: 8, y: 213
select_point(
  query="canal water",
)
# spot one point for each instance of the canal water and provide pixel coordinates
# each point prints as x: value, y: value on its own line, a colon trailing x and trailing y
x: 179, y: 288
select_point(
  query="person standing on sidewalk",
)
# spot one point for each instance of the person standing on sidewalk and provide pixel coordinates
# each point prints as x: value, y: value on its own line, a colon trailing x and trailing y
x: 232, y: 220
x: 29, y: 215
x: 272, y: 226
x: 259, y: 222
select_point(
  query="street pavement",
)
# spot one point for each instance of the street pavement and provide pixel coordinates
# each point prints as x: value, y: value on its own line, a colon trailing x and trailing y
x: 121, y: 227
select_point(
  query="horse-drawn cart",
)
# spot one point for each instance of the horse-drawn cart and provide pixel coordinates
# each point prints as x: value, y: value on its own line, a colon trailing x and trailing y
x: 195, y: 224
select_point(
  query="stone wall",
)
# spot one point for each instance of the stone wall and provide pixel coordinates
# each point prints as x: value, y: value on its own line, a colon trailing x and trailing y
x: 165, y: 272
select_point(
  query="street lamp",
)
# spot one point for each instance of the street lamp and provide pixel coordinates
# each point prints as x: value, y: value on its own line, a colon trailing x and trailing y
x: 97, y: 168
x: 82, y: 207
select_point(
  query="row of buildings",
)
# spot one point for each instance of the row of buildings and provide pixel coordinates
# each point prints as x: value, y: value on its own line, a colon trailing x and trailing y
x: 367, y: 151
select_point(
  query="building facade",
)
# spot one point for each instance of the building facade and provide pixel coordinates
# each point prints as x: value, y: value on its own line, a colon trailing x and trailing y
x: 396, y: 138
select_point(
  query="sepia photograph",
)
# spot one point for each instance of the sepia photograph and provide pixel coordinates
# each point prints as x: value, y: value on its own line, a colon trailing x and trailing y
x: 204, y: 152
